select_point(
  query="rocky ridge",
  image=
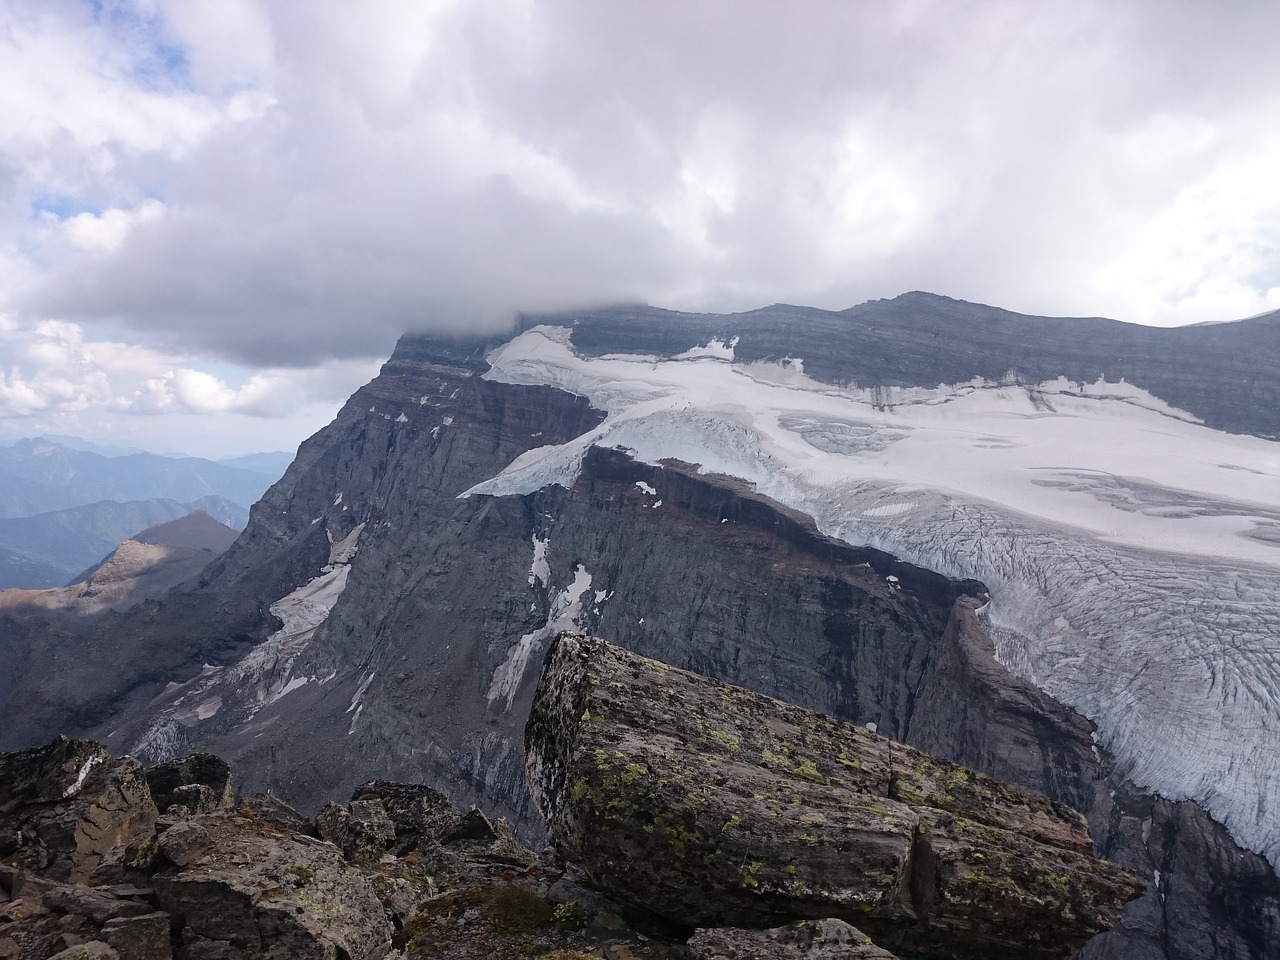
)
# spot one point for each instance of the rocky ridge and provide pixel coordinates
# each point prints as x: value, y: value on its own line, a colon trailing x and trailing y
x: 103, y: 858
x: 419, y: 669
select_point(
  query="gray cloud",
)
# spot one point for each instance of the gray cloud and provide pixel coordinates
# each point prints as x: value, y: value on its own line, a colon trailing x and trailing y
x: 331, y: 178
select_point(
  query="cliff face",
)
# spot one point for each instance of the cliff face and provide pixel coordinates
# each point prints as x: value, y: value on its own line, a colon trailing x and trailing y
x: 373, y: 621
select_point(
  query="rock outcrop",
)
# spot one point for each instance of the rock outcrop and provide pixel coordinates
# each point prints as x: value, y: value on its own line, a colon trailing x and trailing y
x: 710, y: 804
x: 803, y: 940
x: 66, y: 806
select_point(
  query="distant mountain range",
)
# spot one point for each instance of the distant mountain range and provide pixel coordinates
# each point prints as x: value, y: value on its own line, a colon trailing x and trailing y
x: 66, y: 502
x: 41, y: 474
x: 144, y: 566
x: 57, y: 548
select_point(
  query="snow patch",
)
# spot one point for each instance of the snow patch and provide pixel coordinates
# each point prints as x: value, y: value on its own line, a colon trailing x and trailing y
x: 645, y: 488
x: 402, y: 418
x: 566, y: 612
x: 715, y: 349
x: 364, y: 685
x: 539, y: 570
x: 263, y: 675
x: 75, y: 788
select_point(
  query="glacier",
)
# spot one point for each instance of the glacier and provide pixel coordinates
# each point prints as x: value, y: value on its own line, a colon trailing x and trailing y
x: 1132, y: 554
x: 262, y: 676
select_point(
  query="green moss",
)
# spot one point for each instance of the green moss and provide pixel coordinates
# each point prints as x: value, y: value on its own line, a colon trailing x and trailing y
x: 773, y: 759
x: 807, y: 771
x: 726, y: 740
x: 303, y: 874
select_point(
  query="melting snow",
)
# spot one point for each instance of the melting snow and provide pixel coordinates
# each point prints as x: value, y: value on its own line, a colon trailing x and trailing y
x: 1131, y: 552
x: 539, y: 570
x: 566, y: 610
x: 89, y: 764
x: 645, y: 488
x: 263, y: 675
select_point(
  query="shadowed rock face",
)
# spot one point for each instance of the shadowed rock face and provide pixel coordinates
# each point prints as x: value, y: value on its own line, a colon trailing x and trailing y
x: 713, y: 805
x: 66, y: 805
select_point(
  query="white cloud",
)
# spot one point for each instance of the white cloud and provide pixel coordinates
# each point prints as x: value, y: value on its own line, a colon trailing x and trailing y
x: 278, y: 184
x: 56, y: 380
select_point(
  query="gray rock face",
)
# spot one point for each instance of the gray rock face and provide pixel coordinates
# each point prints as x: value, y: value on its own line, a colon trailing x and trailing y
x: 200, y: 783
x: 65, y: 806
x: 243, y: 890
x: 423, y: 669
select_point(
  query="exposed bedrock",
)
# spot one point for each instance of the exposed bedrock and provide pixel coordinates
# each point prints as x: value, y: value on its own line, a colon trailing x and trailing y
x: 712, y: 805
x: 424, y: 669
x: 67, y: 805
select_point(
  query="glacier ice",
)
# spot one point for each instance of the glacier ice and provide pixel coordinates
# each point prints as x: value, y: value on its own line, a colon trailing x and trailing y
x: 264, y: 674
x: 1133, y: 555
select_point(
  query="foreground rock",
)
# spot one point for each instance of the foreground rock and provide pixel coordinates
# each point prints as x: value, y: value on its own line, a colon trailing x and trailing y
x: 805, y: 940
x: 399, y: 871
x: 66, y: 806
x: 714, y: 806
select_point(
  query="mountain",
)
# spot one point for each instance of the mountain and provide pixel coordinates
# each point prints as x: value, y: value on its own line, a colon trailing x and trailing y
x: 143, y: 567
x: 1044, y: 548
x: 273, y: 464
x: 42, y: 475
x: 56, y: 548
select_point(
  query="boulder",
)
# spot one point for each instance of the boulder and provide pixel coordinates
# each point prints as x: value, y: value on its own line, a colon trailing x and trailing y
x: 715, y: 806
x: 141, y: 937
x: 260, y: 892
x: 361, y: 829
x: 68, y: 804
x: 805, y: 940
x: 199, y: 783
x: 417, y: 812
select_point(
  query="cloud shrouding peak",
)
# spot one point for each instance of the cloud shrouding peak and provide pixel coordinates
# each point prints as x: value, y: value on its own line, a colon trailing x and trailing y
x: 278, y: 183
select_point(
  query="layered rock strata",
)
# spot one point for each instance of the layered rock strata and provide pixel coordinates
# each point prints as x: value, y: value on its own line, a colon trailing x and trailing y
x: 712, y: 805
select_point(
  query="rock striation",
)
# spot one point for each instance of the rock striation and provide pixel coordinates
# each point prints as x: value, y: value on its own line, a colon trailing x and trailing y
x: 712, y: 805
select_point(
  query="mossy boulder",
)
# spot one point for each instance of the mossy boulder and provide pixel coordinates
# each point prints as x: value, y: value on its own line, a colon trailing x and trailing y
x: 715, y: 806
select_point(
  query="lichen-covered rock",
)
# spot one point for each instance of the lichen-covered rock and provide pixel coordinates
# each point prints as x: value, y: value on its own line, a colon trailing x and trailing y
x: 200, y: 783
x: 417, y: 812
x: 142, y: 937
x: 806, y: 940
x: 48, y: 918
x: 715, y: 806
x: 361, y: 829
x: 263, y: 893
x: 66, y: 805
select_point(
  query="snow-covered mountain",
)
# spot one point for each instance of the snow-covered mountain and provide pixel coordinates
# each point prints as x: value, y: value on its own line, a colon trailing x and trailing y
x: 1133, y: 554
x: 932, y: 516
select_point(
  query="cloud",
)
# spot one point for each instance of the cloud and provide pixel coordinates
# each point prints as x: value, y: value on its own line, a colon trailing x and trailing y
x: 55, y: 379
x: 280, y: 183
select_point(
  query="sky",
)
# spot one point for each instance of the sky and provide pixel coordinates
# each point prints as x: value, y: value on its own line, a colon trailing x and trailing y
x: 217, y: 216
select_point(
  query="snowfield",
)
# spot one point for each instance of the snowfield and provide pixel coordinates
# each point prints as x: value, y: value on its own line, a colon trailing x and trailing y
x: 1133, y: 555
